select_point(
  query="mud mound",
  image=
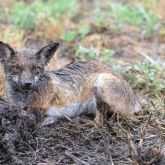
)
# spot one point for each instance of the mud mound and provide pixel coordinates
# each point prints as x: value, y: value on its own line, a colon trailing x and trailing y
x: 16, y: 127
x: 82, y: 142
x: 120, y: 141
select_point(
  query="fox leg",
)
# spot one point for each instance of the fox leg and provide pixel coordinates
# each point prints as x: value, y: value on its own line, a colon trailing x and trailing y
x: 99, y: 118
x: 71, y: 111
x: 99, y: 114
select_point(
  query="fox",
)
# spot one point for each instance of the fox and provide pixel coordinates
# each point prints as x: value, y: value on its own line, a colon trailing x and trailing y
x: 81, y: 87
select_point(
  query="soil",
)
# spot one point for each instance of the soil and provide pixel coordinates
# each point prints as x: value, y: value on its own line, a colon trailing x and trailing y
x: 121, y: 141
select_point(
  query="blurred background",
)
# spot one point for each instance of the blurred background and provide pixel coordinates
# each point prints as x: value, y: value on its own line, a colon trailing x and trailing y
x: 128, y: 35
x: 51, y: 19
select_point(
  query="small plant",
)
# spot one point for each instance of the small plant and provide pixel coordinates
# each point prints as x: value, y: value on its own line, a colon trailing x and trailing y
x: 107, y: 54
x: 70, y: 36
x: 84, y: 30
x: 149, y: 76
x: 73, y: 34
x: 92, y: 53
x: 87, y: 53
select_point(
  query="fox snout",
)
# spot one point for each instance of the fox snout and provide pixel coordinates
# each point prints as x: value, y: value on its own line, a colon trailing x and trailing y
x: 27, y: 84
x: 25, y: 79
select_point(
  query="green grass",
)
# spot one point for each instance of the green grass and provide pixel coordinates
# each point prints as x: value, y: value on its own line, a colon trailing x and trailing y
x: 149, y: 76
x: 29, y: 16
x: 94, y: 54
x: 136, y: 15
x: 70, y: 36
x: 80, y: 31
x: 129, y: 14
x: 101, y: 16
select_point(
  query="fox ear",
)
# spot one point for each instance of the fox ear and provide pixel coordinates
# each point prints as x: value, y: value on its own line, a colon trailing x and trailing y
x: 6, y: 52
x: 47, y: 52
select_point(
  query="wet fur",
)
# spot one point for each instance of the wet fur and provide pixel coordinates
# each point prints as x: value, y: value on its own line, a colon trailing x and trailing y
x: 78, y: 88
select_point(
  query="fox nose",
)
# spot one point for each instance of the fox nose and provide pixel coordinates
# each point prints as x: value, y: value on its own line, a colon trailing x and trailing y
x: 27, y: 84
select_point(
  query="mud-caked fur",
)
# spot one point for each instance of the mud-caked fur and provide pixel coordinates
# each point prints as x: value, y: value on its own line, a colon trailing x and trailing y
x: 78, y: 88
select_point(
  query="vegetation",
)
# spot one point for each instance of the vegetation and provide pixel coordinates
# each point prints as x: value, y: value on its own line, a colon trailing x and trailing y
x: 80, y: 31
x: 149, y: 76
x: 94, y: 54
x: 39, y: 18
x: 131, y: 14
x: 29, y: 16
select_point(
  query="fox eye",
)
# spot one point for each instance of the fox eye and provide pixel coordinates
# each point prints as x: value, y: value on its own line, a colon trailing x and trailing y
x: 17, y: 67
x: 37, y: 69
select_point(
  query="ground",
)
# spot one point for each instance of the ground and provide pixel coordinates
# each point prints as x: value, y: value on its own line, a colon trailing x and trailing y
x: 122, y: 140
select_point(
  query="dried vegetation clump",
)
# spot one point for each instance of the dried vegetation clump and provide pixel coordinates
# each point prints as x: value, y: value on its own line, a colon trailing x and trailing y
x: 16, y: 129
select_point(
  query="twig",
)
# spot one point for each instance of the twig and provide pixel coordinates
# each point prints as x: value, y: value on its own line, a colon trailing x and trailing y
x: 154, y: 105
x: 111, y: 160
x: 99, y: 144
x: 153, y: 136
x: 143, y: 131
x: 149, y: 59
x: 60, y: 160
x: 75, y: 159
x: 132, y: 149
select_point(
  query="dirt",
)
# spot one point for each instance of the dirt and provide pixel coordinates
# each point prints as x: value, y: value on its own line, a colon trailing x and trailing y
x: 119, y: 141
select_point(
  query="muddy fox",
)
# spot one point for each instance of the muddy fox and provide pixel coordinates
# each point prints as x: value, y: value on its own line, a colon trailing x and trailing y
x: 78, y: 88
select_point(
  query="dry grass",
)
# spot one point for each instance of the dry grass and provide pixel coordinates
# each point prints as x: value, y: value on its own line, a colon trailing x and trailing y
x: 51, y: 30
x: 155, y: 6
x: 12, y: 36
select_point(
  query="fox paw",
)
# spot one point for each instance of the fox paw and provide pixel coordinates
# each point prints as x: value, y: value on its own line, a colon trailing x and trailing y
x: 99, y: 120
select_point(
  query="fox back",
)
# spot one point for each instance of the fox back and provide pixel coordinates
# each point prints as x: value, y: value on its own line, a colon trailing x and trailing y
x: 78, y: 88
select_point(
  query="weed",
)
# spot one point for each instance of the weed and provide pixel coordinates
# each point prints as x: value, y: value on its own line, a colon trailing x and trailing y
x: 70, y: 36
x: 94, y: 54
x: 107, y: 54
x: 87, y: 53
x: 149, y: 76
x: 78, y: 31
x: 84, y: 31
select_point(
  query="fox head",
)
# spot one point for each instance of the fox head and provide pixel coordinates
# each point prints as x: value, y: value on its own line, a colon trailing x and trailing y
x: 25, y: 67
